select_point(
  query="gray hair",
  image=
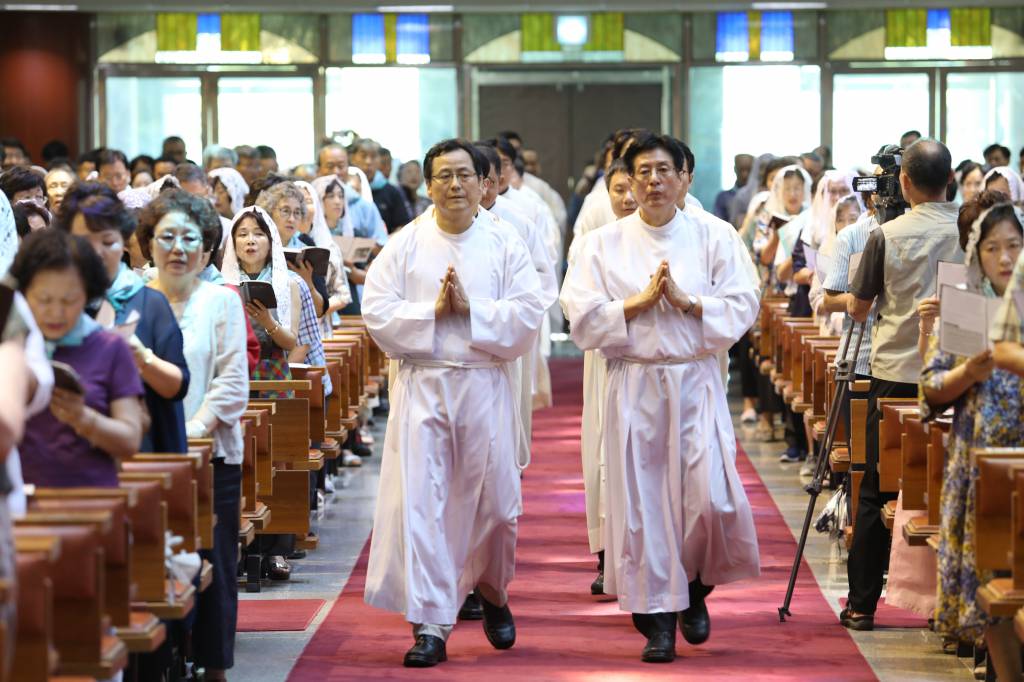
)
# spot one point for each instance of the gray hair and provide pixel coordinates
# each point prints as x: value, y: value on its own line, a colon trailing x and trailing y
x: 216, y: 151
x: 272, y: 196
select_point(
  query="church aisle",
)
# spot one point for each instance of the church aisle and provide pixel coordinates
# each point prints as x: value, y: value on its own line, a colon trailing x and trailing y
x: 564, y: 633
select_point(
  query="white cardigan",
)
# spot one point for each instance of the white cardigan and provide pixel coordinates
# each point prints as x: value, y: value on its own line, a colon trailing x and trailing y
x: 213, y: 327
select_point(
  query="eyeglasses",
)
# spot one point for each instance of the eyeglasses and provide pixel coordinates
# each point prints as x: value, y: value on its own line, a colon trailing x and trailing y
x: 188, y: 242
x: 446, y: 177
x: 646, y: 173
x: 288, y: 213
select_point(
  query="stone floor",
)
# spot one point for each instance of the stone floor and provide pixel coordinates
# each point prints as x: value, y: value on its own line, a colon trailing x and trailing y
x: 347, y: 516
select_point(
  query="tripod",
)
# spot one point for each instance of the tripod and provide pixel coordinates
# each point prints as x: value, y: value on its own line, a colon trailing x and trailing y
x: 845, y: 374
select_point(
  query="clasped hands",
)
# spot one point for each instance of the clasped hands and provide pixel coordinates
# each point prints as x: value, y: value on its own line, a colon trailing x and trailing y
x: 452, y: 298
x: 660, y: 286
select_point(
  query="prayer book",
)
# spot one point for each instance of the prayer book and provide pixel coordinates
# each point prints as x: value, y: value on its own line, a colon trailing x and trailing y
x: 950, y: 274
x: 318, y: 256
x: 964, y: 321
x: 65, y: 376
x: 255, y: 290
x: 356, y: 249
x: 777, y: 221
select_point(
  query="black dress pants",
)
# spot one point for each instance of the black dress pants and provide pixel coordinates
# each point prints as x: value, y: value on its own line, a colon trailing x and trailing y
x: 869, y: 551
x: 213, y: 635
x: 742, y: 356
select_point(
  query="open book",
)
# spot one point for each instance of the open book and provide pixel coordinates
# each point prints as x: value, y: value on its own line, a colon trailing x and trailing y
x: 318, y: 256
x: 355, y: 249
x: 255, y: 290
x: 964, y: 321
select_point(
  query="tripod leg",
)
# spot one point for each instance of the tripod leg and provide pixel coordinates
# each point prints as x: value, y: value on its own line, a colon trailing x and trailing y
x: 814, y: 489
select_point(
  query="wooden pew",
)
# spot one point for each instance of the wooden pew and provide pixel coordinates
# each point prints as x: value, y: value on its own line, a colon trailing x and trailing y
x: 78, y: 576
x: 998, y: 528
x: 35, y: 656
x: 924, y: 461
x: 144, y: 512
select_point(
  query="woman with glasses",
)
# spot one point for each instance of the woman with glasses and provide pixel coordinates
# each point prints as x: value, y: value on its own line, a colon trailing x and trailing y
x: 177, y: 226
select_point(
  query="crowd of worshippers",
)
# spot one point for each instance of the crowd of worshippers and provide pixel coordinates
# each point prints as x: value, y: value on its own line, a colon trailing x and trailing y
x: 129, y: 331
x: 849, y: 259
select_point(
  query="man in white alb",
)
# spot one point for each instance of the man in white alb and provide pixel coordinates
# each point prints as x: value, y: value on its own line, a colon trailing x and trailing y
x: 660, y: 292
x: 456, y: 299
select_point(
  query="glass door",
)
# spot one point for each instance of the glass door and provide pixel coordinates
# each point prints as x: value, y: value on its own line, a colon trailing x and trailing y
x: 876, y: 108
x: 142, y: 110
x: 271, y: 110
x: 983, y: 108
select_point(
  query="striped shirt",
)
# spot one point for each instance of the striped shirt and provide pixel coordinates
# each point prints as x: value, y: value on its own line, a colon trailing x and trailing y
x: 309, y: 334
x: 848, y: 242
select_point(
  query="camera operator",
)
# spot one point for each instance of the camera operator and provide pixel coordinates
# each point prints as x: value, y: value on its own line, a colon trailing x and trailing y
x: 897, y: 270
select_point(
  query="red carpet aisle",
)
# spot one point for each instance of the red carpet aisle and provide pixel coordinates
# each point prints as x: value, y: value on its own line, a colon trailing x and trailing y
x: 563, y: 632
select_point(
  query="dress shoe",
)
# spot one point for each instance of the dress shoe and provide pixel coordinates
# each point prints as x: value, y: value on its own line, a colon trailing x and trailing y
x: 296, y: 554
x: 427, y: 652
x: 597, y: 587
x: 279, y: 569
x: 695, y: 622
x: 471, y: 609
x: 648, y: 624
x: 661, y: 647
x: 498, y: 624
x: 860, y: 621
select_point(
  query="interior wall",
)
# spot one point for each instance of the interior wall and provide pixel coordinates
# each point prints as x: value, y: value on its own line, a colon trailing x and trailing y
x: 44, y: 72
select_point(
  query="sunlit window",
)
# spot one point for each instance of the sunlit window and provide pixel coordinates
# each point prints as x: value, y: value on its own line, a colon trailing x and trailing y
x: 141, y: 112
x: 274, y: 111
x: 856, y: 136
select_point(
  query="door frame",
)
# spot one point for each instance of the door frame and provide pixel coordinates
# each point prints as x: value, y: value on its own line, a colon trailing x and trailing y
x: 209, y: 75
x: 650, y: 74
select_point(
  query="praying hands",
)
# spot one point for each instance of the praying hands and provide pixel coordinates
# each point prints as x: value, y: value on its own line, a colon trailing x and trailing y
x: 452, y: 298
x: 661, y: 285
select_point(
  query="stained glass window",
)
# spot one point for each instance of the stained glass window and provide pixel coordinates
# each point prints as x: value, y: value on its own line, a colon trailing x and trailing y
x: 753, y: 36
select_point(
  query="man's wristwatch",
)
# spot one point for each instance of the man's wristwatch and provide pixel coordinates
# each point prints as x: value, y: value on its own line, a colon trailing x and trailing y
x: 693, y: 301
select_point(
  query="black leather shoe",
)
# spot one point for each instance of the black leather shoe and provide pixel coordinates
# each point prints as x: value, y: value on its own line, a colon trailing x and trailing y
x: 471, y: 609
x: 661, y: 647
x: 597, y: 587
x: 499, y: 627
x: 427, y: 652
x: 695, y: 622
x: 860, y: 622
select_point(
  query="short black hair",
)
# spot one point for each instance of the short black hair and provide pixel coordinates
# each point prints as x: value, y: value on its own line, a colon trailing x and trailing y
x: 100, y: 207
x: 504, y: 147
x: 109, y: 157
x: 198, y: 210
x: 54, y: 149
x: 927, y: 163
x: 384, y: 152
x: 141, y: 159
x: 511, y: 135
x: 993, y: 148
x: 647, y: 142
x: 623, y: 138
x: 914, y: 133
x: 189, y: 172
x: 617, y: 166
x: 13, y: 142
x: 691, y: 162
x: 20, y: 179
x: 266, y: 152
x: 22, y: 210
x: 451, y: 145
x: 262, y: 184
x: 163, y: 159
x: 56, y: 250
x: 173, y: 138
x: 491, y: 158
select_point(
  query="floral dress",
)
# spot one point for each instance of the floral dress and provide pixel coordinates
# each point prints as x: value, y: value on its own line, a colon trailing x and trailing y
x: 987, y: 415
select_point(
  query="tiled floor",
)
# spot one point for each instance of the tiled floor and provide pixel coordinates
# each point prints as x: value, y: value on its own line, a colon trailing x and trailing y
x: 901, y: 655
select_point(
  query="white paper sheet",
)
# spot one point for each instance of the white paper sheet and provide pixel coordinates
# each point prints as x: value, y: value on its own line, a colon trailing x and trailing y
x: 950, y: 274
x: 963, y: 321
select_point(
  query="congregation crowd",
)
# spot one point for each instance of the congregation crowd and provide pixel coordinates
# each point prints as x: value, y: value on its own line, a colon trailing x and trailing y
x: 129, y: 329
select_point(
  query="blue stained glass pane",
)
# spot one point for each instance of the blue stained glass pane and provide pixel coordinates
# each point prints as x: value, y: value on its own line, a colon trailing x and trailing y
x: 938, y: 18
x: 777, y: 32
x: 733, y: 33
x: 412, y: 34
x: 208, y: 23
x: 368, y: 34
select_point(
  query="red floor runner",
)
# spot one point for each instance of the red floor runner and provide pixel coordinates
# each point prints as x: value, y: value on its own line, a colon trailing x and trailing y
x: 566, y: 634
x: 276, y: 615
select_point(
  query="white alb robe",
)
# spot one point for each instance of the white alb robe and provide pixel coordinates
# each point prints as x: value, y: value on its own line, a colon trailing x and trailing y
x: 676, y: 506
x: 536, y: 383
x: 449, y: 494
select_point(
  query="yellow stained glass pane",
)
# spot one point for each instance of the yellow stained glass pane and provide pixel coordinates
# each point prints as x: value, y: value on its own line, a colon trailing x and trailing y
x: 176, y: 31
x: 240, y: 32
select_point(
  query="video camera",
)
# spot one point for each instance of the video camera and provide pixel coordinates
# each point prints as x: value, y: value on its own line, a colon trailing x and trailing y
x: 889, y: 199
